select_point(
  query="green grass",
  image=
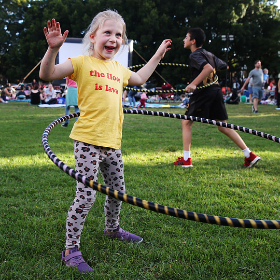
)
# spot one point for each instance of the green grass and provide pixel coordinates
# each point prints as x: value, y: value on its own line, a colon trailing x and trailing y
x: 35, y: 196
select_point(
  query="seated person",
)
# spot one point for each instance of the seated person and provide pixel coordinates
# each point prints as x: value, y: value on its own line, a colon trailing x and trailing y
x: 10, y: 91
x: 3, y: 97
x: 233, y: 99
x: 35, y: 95
x: 272, y: 90
x: 166, y: 86
x: 2, y: 101
x: 27, y: 91
x: 49, y: 95
x: 60, y: 99
x: 185, y: 100
x: 3, y: 94
x: 21, y: 93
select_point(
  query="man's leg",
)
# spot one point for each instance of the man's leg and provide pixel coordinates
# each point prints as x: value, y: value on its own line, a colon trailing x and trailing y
x: 250, y: 98
x: 185, y: 161
x: 67, y: 112
x: 250, y: 158
x: 256, y: 101
x: 233, y: 135
x: 187, y: 134
x: 77, y: 110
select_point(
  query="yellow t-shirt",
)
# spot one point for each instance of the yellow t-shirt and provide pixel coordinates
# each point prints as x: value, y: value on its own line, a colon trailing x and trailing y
x: 100, y: 85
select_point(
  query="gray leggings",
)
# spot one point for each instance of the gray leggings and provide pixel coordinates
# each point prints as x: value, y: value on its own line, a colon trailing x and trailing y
x: 88, y: 160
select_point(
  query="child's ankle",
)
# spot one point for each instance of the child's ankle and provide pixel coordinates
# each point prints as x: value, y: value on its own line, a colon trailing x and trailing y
x: 66, y: 252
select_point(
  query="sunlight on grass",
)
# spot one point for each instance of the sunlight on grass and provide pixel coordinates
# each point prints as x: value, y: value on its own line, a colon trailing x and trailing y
x: 22, y: 161
x: 35, y: 196
x: 138, y: 158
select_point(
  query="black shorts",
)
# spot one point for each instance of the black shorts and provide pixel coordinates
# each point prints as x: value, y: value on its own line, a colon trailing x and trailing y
x: 208, y: 104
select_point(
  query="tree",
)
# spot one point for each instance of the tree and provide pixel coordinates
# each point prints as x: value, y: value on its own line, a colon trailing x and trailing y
x: 254, y: 24
x: 11, y: 14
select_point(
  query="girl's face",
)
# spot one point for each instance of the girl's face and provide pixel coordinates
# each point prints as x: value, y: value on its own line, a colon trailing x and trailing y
x: 107, y: 40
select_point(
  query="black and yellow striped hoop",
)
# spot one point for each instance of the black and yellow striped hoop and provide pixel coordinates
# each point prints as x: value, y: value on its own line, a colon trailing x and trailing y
x: 204, y: 218
x: 166, y: 91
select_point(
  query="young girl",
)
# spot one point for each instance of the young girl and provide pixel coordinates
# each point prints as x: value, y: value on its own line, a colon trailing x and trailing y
x: 71, y: 99
x: 97, y: 133
x: 143, y: 98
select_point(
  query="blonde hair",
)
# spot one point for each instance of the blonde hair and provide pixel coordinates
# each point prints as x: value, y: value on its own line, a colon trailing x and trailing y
x: 97, y: 23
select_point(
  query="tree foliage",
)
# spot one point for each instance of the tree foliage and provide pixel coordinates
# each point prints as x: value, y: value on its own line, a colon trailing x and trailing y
x: 254, y: 24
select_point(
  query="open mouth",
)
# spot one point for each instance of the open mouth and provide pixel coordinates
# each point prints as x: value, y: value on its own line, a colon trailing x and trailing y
x: 109, y: 49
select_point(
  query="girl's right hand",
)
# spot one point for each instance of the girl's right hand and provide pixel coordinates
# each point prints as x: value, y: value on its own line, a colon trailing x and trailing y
x: 164, y: 47
x: 53, y: 34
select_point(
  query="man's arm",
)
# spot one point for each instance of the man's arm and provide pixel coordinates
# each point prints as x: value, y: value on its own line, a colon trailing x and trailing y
x: 207, y: 70
x: 246, y: 82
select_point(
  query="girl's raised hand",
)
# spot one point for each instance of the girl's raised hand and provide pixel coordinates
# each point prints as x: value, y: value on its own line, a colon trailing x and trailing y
x: 164, y: 47
x: 53, y: 34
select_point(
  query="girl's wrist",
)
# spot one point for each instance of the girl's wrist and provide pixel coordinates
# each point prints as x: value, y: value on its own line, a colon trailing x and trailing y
x: 53, y: 50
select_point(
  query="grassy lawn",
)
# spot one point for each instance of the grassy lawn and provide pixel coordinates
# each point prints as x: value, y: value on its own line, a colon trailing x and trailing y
x: 35, y: 196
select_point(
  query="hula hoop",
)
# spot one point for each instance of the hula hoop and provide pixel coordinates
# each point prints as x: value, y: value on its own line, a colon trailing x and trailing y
x: 175, y: 212
x: 170, y: 90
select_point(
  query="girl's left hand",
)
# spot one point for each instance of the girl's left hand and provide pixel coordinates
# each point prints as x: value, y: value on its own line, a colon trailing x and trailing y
x: 164, y: 47
x: 53, y: 34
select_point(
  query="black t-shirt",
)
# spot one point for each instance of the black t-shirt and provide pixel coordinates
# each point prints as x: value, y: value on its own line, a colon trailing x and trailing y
x: 35, y: 97
x: 198, y: 59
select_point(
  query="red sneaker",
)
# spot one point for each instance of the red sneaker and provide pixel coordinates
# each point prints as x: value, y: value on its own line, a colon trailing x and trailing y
x: 182, y: 162
x: 251, y: 160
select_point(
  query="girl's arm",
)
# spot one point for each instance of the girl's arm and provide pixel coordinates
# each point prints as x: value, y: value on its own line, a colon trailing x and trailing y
x: 48, y: 70
x: 141, y: 76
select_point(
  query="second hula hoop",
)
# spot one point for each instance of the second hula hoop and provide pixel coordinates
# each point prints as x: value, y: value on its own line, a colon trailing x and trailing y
x: 166, y: 91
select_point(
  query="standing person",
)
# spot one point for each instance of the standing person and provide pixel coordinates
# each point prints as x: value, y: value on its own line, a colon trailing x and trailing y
x: 124, y: 97
x: 71, y: 99
x: 131, y: 97
x: 206, y: 102
x: 265, y: 84
x: 143, y: 98
x: 250, y: 89
x: 265, y: 78
x: 98, y: 131
x: 277, y: 93
x: 257, y: 75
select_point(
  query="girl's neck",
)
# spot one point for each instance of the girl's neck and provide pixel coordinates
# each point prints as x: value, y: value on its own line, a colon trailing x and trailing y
x: 105, y: 60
